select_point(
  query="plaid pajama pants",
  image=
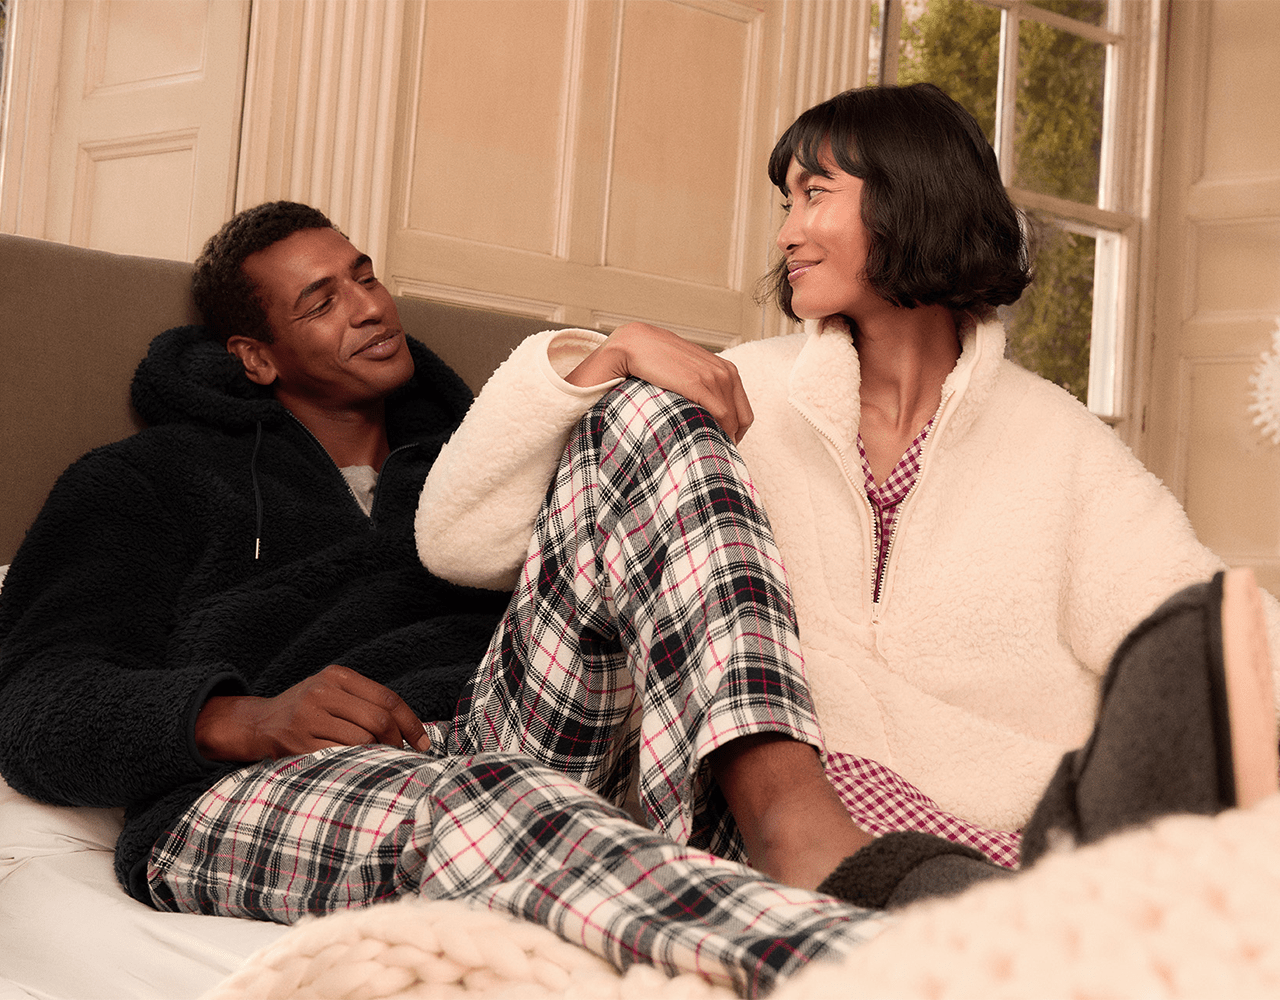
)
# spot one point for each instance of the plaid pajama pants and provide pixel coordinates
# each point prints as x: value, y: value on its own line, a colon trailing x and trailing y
x: 651, y: 622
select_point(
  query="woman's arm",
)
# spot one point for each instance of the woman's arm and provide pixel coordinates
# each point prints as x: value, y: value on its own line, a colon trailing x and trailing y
x: 1132, y: 547
x: 478, y: 505
x: 476, y: 512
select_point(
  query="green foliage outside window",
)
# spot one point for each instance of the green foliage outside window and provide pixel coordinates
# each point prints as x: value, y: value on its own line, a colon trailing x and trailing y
x: 1057, y: 143
x: 955, y: 44
x: 1058, y: 131
x: 1052, y: 323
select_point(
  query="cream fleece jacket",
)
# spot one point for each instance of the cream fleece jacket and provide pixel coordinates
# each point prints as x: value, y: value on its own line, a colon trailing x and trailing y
x: 1031, y: 544
x: 477, y: 509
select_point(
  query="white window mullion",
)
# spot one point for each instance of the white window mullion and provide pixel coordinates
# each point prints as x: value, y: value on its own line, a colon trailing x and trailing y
x: 1007, y: 93
x: 1104, y: 340
x: 1109, y: 195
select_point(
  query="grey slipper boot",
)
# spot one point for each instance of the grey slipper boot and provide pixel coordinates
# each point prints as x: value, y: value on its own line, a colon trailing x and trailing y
x: 1186, y: 722
x: 901, y: 868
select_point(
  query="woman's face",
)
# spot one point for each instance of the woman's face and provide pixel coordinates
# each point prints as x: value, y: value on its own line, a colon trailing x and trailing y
x: 826, y: 243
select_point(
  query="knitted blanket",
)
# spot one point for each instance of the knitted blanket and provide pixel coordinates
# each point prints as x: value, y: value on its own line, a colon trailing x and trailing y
x: 1189, y: 907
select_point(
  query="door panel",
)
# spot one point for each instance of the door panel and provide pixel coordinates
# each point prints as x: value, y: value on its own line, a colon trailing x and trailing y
x: 145, y: 106
x: 1218, y: 285
x: 594, y: 162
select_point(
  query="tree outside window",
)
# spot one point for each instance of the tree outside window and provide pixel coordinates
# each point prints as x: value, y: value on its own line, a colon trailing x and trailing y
x: 1048, y: 117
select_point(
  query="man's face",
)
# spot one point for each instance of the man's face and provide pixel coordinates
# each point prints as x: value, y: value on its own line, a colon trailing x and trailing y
x: 337, y: 337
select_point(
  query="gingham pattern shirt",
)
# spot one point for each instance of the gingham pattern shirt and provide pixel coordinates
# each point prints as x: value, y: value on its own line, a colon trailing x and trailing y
x: 882, y: 801
x: 886, y: 498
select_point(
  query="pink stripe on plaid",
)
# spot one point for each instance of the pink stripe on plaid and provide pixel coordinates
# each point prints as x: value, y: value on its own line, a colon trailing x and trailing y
x: 882, y: 801
x: 651, y: 619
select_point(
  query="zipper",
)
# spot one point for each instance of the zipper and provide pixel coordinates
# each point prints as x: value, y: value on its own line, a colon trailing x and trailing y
x: 878, y: 599
x: 371, y: 517
x: 332, y: 464
x: 377, y: 493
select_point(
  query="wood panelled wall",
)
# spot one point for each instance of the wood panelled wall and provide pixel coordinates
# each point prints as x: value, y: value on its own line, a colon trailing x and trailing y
x: 1217, y: 296
x: 592, y: 161
x: 122, y: 122
x: 586, y: 161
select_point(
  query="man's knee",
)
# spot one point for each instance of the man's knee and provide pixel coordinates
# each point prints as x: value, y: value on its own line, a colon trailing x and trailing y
x: 637, y: 424
x: 645, y: 410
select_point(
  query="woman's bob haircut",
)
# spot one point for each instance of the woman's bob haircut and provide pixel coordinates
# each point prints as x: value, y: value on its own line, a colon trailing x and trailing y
x: 942, y: 229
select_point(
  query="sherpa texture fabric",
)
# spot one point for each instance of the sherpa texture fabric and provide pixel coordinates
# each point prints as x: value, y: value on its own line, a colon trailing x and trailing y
x: 137, y: 594
x: 504, y: 458
x: 1034, y: 541
x: 1186, y: 908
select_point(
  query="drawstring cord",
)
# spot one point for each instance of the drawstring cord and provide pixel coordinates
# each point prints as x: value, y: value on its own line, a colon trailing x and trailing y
x: 257, y: 493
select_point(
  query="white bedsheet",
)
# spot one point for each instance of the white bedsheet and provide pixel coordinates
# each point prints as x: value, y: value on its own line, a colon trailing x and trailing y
x: 69, y: 932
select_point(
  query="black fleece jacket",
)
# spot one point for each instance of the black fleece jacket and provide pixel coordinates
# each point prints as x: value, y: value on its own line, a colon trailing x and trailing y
x: 136, y: 594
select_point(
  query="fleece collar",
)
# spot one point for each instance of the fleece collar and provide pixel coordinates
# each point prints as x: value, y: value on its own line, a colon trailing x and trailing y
x: 825, y: 381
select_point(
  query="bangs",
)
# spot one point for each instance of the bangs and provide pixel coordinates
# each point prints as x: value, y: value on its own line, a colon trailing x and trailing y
x: 822, y: 134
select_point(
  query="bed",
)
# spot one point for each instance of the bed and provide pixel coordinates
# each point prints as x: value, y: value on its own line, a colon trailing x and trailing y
x: 70, y: 931
x: 1189, y: 908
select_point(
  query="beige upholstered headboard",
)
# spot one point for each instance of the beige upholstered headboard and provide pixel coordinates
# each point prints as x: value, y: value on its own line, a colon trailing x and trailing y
x: 75, y: 322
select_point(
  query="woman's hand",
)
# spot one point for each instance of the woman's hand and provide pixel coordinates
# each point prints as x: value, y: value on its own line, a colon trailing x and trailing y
x: 667, y: 360
x: 335, y: 707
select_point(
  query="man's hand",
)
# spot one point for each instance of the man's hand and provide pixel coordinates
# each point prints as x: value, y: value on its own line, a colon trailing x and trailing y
x: 336, y: 707
x: 668, y: 361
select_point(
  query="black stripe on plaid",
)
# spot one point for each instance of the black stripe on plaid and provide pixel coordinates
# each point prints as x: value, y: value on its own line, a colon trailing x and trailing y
x: 652, y: 616
x: 353, y: 825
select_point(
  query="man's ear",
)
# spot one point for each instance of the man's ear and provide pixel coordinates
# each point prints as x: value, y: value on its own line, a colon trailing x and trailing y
x: 255, y: 355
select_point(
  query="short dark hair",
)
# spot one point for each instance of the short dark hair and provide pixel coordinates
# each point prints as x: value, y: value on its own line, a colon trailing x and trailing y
x: 223, y: 293
x: 942, y: 228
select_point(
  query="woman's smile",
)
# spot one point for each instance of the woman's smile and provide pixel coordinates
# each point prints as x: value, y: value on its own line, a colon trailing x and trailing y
x: 824, y: 227
x: 795, y: 268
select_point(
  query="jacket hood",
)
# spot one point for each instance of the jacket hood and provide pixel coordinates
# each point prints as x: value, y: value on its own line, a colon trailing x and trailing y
x: 188, y: 378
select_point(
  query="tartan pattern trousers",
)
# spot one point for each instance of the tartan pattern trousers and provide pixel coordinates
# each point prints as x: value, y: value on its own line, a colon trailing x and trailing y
x: 651, y: 624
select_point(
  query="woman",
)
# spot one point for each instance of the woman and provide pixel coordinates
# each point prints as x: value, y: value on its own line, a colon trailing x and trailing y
x: 965, y: 543
x: 985, y: 542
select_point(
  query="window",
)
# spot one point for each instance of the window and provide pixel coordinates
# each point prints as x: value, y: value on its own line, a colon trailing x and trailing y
x: 1043, y: 78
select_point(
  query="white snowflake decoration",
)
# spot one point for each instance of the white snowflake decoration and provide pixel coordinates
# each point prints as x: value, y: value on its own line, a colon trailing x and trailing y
x: 1266, y: 389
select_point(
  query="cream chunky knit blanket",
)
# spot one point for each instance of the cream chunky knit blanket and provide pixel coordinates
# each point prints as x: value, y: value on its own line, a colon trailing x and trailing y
x: 1189, y: 907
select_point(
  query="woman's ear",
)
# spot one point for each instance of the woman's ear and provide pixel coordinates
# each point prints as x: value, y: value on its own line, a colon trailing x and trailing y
x: 255, y: 355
